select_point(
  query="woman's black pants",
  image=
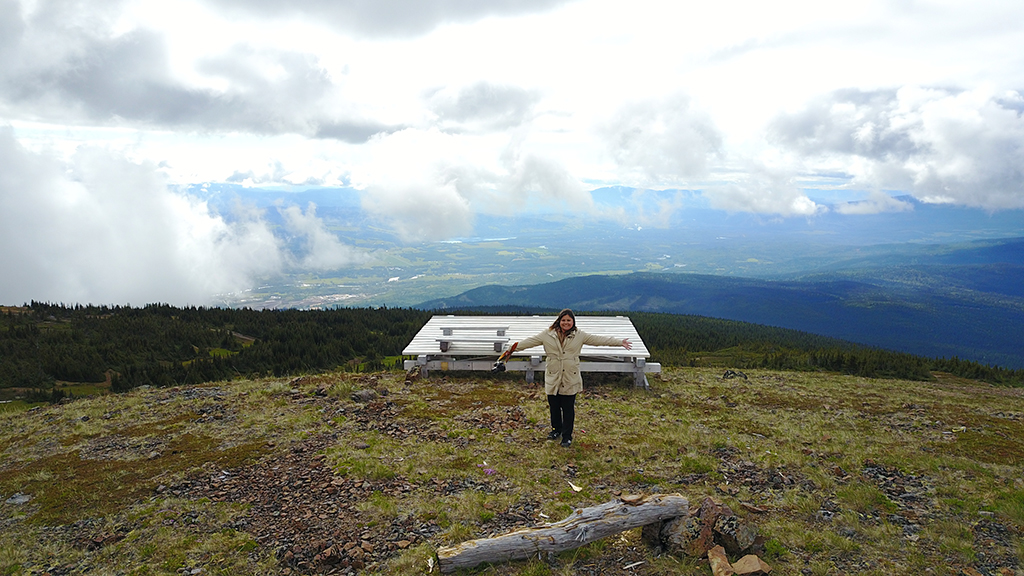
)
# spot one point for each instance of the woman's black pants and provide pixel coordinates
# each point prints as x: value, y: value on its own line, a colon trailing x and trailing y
x: 563, y: 414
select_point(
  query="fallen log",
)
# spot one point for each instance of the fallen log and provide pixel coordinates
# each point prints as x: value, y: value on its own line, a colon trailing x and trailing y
x: 581, y: 527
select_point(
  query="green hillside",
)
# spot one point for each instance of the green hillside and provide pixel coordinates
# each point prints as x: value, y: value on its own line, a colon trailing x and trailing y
x: 922, y: 311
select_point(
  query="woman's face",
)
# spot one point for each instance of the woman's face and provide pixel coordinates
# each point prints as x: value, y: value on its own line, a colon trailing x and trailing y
x: 566, y: 323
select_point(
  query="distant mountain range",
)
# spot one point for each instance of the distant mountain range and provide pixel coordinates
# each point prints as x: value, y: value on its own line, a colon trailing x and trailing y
x: 967, y: 303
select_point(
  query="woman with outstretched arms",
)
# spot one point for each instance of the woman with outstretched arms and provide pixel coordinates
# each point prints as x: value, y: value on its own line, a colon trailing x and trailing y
x: 562, y: 343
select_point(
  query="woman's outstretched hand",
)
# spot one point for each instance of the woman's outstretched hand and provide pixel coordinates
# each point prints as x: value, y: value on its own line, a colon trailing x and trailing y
x: 626, y: 344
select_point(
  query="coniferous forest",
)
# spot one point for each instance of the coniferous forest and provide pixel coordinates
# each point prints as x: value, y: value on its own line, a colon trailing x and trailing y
x: 160, y: 345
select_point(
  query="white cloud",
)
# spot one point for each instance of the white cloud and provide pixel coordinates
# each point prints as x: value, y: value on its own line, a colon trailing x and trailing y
x: 439, y: 110
x: 428, y: 185
x: 876, y: 203
x: 80, y: 66
x: 102, y: 229
x: 387, y: 17
x: 650, y: 208
x: 428, y: 211
x: 106, y: 230
x: 482, y: 107
x: 321, y: 249
x: 944, y: 146
x: 765, y: 191
x: 530, y: 177
x: 404, y: 185
x: 663, y: 141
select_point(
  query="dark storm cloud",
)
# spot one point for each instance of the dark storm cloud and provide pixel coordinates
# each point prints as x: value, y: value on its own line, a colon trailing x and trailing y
x: 483, y: 107
x: 389, y: 18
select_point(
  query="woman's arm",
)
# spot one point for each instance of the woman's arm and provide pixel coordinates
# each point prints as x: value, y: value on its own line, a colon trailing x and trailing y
x: 532, y: 341
x: 595, y: 340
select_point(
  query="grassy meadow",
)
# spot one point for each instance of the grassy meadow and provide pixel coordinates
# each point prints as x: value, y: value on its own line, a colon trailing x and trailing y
x: 841, y: 475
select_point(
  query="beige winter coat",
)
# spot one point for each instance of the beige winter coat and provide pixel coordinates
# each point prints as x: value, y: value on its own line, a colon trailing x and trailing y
x: 562, y: 371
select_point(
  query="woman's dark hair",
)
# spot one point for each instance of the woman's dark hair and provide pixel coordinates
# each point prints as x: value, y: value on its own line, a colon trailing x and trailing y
x: 557, y: 328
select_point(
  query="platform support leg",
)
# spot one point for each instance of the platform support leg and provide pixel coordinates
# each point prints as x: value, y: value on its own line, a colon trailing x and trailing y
x: 532, y: 368
x: 422, y: 361
x: 639, y: 377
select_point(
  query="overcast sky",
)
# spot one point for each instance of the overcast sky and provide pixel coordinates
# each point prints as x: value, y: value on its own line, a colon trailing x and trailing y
x: 438, y: 110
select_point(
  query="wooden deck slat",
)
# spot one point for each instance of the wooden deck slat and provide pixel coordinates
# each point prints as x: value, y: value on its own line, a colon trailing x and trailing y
x: 520, y: 327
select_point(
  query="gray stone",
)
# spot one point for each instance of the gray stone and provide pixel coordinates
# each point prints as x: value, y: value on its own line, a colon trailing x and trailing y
x: 18, y: 499
x: 734, y: 533
x: 364, y: 396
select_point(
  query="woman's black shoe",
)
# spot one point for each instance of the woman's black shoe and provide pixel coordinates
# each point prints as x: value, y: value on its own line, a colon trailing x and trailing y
x: 566, y: 443
x: 554, y: 434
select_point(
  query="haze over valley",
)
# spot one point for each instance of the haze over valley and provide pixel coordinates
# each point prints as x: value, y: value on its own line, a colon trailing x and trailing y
x: 687, y: 237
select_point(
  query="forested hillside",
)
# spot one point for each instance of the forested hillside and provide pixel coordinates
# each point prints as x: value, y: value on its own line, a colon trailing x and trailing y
x: 161, y: 345
x: 979, y: 315
x: 164, y: 345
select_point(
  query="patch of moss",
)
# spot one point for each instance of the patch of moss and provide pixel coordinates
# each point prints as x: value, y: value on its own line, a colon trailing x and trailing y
x: 461, y: 462
x: 160, y: 427
x: 67, y: 488
x: 775, y: 400
x: 990, y: 440
x: 421, y: 410
x: 752, y: 428
x: 456, y: 398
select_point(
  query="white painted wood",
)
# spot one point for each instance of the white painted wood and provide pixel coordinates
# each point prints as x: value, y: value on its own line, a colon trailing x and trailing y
x: 498, y: 330
x: 427, y: 340
x: 446, y: 343
x: 456, y: 364
x: 472, y: 343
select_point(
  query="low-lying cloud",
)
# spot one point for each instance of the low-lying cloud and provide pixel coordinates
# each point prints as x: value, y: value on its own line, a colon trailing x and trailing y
x: 100, y: 228
x: 665, y: 141
x: 320, y: 250
x: 437, y: 192
x: 876, y: 203
x: 764, y: 191
x: 425, y: 211
x: 942, y: 146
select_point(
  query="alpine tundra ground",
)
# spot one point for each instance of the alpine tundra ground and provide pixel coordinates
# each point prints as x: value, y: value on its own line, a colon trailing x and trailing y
x: 369, y: 474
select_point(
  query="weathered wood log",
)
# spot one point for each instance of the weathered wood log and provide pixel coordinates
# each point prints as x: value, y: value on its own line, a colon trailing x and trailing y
x: 581, y: 527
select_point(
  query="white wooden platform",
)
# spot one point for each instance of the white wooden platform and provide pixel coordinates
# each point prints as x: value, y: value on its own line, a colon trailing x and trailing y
x: 474, y: 342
